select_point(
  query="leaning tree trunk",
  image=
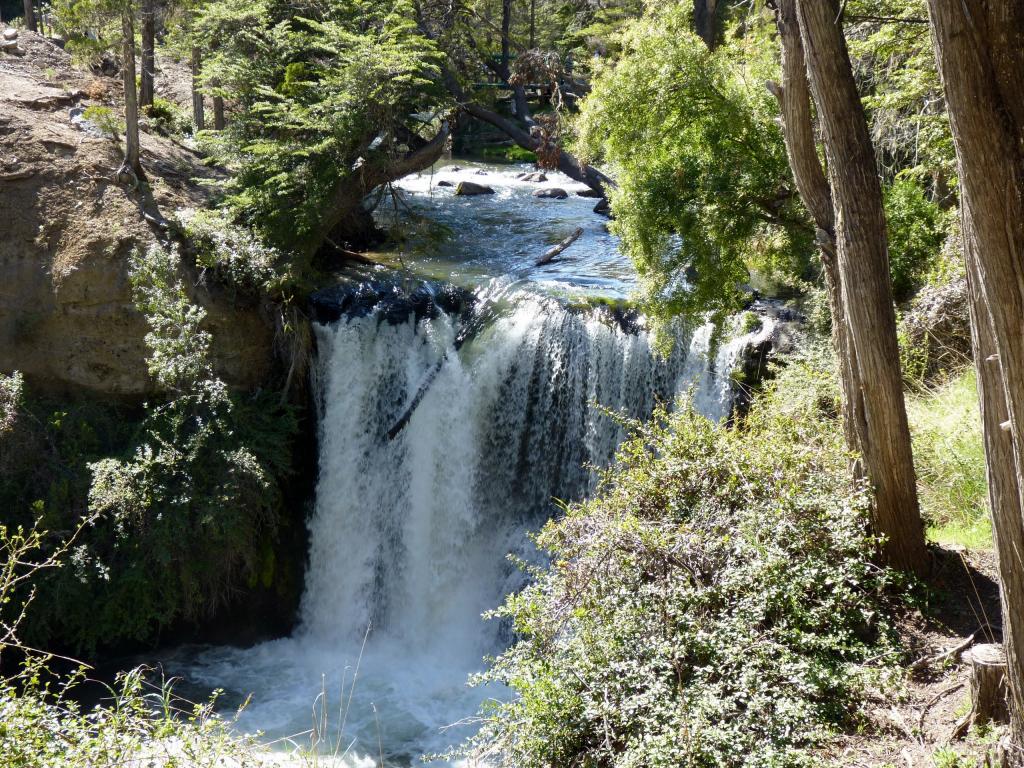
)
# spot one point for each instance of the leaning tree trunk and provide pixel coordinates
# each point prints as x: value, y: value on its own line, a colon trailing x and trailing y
x: 877, y: 407
x: 132, y: 165
x: 979, y: 46
x: 30, y: 16
x: 198, y: 113
x: 148, y: 53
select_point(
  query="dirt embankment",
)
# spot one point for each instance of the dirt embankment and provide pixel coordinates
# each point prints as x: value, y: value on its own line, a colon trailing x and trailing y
x: 66, y: 231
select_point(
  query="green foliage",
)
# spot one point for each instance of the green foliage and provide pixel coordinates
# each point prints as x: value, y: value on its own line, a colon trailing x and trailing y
x: 917, y: 230
x: 704, y: 192
x: 142, y: 724
x: 318, y: 96
x: 235, y: 256
x: 167, y: 117
x: 104, y: 118
x: 949, y: 457
x: 513, y: 154
x: 715, y: 605
x: 183, y: 516
x: 902, y: 94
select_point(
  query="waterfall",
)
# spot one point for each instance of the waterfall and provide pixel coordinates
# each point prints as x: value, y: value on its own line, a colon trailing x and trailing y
x: 410, y: 535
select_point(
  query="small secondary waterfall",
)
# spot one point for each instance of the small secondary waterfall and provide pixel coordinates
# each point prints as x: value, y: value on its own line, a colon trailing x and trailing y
x: 506, y: 408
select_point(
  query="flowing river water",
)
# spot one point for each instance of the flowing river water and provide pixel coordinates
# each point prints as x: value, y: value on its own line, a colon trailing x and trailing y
x: 450, y: 422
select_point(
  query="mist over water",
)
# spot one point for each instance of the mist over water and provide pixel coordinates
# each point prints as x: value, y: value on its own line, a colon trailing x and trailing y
x: 410, y: 535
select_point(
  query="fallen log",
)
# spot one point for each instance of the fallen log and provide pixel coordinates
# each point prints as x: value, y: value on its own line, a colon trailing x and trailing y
x: 551, y: 253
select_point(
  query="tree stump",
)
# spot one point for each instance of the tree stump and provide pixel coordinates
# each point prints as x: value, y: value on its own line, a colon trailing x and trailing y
x: 988, y: 687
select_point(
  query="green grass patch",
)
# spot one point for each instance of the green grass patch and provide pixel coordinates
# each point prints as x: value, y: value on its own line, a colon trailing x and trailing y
x: 950, y: 459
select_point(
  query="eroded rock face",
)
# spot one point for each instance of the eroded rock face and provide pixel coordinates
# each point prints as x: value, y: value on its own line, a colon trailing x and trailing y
x: 67, y: 319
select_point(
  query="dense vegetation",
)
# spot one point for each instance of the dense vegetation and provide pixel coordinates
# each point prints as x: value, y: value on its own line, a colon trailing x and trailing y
x: 714, y: 605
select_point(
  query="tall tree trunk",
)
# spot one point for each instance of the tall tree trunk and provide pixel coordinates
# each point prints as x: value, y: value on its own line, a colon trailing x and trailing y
x: 798, y: 129
x: 198, y: 113
x: 218, y: 113
x: 877, y: 410
x: 533, y: 24
x: 148, y: 53
x: 30, y: 15
x: 979, y: 46
x: 506, y: 33
x: 705, y: 21
x: 1004, y: 486
x: 132, y: 165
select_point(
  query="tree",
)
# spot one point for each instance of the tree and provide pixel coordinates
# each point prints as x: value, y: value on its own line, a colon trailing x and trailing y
x: 130, y: 172
x: 704, y: 193
x: 148, y: 53
x: 980, y: 51
x: 328, y: 107
x: 30, y: 15
x: 857, y: 275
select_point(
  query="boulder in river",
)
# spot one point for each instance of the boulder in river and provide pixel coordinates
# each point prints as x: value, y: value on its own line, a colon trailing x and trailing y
x: 552, y: 193
x: 603, y: 207
x: 589, y: 193
x: 538, y: 176
x: 481, y: 173
x: 445, y: 183
x: 468, y: 188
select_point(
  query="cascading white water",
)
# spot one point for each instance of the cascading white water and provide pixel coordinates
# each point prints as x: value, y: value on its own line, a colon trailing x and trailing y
x: 410, y: 535
x: 505, y: 413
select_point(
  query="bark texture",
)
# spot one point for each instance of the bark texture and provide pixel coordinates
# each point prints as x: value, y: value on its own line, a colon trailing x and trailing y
x: 979, y: 47
x: 131, y: 104
x: 30, y: 16
x: 851, y: 233
x: 794, y: 98
x: 148, y: 58
x: 198, y: 112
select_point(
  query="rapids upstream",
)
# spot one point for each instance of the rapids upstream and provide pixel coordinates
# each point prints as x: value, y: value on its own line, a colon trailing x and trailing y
x: 412, y: 526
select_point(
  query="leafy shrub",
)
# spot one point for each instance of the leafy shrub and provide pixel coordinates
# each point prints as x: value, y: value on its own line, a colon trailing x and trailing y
x: 106, y: 119
x: 917, y: 230
x: 167, y: 117
x: 41, y: 723
x: 234, y: 254
x: 715, y: 605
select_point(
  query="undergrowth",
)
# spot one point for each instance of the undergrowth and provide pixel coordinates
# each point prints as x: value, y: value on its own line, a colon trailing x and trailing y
x: 715, y: 604
x: 949, y: 456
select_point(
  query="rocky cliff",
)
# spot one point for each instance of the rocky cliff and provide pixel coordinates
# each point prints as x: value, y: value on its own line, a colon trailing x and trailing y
x: 66, y: 230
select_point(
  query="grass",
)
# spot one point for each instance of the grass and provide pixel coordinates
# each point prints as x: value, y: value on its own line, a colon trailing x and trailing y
x: 950, y: 458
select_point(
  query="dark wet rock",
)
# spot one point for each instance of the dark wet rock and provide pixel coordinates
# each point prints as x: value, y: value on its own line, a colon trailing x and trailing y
x: 481, y: 173
x: 589, y: 193
x: 551, y: 193
x: 603, y: 207
x: 393, y: 302
x: 468, y: 188
x: 445, y: 183
x: 536, y: 176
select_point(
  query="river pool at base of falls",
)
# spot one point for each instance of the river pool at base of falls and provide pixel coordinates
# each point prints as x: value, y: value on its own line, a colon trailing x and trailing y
x: 409, y: 535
